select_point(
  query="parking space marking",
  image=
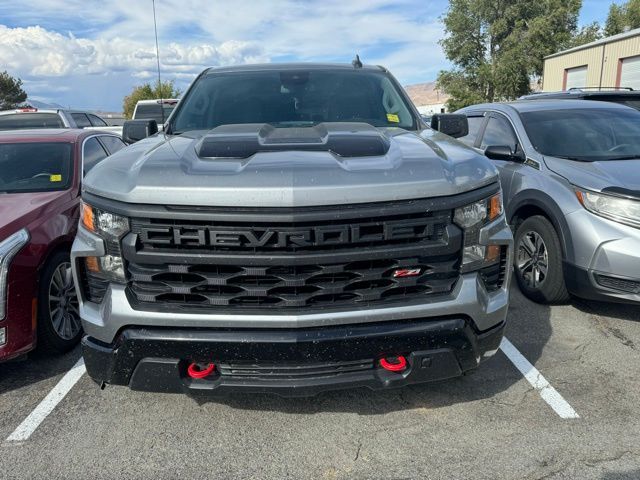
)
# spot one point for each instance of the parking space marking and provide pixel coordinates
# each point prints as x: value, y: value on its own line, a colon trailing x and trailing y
x: 55, y: 396
x: 537, y: 381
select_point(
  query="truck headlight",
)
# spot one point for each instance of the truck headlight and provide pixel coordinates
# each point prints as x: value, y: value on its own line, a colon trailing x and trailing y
x: 107, y: 225
x: 111, y: 228
x: 472, y: 218
x: 618, y: 209
x: 479, y: 213
x: 8, y: 249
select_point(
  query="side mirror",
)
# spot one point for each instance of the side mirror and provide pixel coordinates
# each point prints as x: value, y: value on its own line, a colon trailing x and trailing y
x: 135, y: 130
x: 503, y: 152
x: 452, y: 124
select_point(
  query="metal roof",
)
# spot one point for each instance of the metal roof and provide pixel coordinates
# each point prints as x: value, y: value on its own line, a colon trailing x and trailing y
x: 603, y: 41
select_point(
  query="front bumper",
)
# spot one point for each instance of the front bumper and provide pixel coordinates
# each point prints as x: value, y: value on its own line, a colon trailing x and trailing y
x: 443, y: 336
x: 606, y: 261
x: 291, y: 362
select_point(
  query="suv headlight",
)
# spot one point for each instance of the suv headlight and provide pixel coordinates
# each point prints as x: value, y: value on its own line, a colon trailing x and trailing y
x: 8, y: 249
x: 111, y: 228
x: 619, y: 209
x: 472, y: 218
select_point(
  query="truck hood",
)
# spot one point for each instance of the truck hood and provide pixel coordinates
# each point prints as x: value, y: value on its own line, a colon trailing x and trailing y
x: 614, y: 176
x: 259, y: 165
x: 19, y: 210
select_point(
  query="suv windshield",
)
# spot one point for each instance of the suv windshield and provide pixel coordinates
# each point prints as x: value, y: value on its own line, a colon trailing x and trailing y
x: 152, y: 111
x: 35, y: 167
x: 15, y: 121
x: 585, y: 134
x: 293, y: 98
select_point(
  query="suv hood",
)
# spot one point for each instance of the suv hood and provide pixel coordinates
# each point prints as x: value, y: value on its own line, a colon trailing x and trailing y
x: 621, y: 176
x: 19, y: 210
x: 259, y: 165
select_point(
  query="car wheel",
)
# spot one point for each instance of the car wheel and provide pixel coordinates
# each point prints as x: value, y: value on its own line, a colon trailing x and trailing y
x: 538, y: 261
x: 59, y: 327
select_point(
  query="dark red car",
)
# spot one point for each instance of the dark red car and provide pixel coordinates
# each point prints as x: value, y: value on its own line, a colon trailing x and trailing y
x: 40, y: 176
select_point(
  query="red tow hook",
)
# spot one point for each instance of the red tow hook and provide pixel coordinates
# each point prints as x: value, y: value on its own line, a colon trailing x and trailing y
x: 195, y: 370
x: 394, y: 364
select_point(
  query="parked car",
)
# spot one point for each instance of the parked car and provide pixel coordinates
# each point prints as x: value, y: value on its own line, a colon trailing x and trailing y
x: 158, y: 110
x: 30, y: 118
x: 40, y: 175
x: 297, y: 228
x: 570, y: 173
x: 624, y: 96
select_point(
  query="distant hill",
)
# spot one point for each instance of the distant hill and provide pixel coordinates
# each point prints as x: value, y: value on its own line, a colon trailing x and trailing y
x: 425, y: 94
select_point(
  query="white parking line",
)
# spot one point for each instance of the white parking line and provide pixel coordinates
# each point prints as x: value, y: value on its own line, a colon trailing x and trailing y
x: 537, y: 381
x: 55, y: 396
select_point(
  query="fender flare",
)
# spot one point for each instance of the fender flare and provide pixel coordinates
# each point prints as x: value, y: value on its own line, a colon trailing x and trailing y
x: 552, y: 211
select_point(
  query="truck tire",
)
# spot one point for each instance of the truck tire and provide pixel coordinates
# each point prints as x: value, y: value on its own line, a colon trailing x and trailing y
x: 538, y: 261
x: 59, y: 327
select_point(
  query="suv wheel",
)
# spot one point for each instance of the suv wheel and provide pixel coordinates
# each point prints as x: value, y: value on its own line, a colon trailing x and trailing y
x: 59, y: 328
x: 538, y: 261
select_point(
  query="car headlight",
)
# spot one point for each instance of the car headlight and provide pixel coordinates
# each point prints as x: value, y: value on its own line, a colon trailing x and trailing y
x: 111, y: 228
x: 472, y: 218
x: 8, y: 249
x: 479, y: 213
x: 619, y: 209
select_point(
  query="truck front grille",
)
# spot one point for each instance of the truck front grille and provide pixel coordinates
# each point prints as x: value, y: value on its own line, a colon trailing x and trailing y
x: 284, y: 258
x: 291, y: 286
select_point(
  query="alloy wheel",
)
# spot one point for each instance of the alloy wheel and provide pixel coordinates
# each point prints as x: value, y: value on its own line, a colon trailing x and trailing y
x: 533, y: 259
x: 63, y: 303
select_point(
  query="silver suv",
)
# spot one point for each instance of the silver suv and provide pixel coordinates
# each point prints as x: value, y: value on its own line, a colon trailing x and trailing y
x: 296, y: 228
x: 570, y: 172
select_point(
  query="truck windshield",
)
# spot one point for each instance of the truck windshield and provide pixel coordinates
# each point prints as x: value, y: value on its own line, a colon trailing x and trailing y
x: 585, y: 134
x: 16, y: 121
x: 35, y: 167
x: 293, y: 98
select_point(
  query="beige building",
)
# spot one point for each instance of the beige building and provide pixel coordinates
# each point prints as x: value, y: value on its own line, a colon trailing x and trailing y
x: 605, y: 63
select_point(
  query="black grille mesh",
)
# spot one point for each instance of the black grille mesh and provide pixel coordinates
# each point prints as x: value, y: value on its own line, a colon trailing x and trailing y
x: 291, y: 286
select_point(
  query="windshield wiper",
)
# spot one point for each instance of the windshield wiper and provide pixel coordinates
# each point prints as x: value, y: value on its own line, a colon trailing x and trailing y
x: 577, y: 159
x: 625, y: 157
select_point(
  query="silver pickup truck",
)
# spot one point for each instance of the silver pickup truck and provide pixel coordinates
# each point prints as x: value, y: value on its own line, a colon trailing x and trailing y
x: 295, y: 228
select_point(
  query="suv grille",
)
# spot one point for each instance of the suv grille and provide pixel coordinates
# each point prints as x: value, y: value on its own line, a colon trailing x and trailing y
x: 338, y: 256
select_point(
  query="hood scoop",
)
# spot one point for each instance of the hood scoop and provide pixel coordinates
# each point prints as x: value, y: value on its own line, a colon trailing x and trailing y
x: 245, y: 140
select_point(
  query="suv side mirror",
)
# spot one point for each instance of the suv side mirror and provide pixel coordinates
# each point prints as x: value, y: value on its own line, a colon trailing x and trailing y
x: 503, y: 152
x: 452, y: 124
x: 135, y: 130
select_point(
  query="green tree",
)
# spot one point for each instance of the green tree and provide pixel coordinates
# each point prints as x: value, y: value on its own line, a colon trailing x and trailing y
x: 145, y: 91
x: 497, y: 46
x: 622, y: 17
x: 11, y: 92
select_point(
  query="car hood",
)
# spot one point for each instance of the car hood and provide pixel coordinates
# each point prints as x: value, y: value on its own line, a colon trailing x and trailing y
x: 258, y: 165
x: 19, y: 210
x: 621, y: 176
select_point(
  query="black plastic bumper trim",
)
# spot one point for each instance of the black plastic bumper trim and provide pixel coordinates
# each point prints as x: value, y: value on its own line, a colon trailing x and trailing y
x: 156, y: 359
x: 581, y: 283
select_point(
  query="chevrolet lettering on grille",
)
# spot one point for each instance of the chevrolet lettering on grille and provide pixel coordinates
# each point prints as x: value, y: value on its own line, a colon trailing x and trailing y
x: 203, y: 236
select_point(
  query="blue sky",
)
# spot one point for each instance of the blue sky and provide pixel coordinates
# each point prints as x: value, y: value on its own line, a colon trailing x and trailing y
x: 90, y: 53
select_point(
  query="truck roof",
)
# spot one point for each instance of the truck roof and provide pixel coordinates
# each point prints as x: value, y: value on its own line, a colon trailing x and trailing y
x: 290, y: 66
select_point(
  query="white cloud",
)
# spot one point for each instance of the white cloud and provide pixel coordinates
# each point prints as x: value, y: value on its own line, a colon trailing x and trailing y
x: 115, y: 38
x: 37, y: 52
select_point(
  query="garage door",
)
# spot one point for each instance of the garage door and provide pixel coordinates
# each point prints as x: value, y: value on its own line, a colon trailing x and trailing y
x: 575, y: 77
x: 630, y: 73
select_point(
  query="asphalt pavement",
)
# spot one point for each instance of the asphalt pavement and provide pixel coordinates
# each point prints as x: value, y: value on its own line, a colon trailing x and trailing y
x: 498, y: 423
